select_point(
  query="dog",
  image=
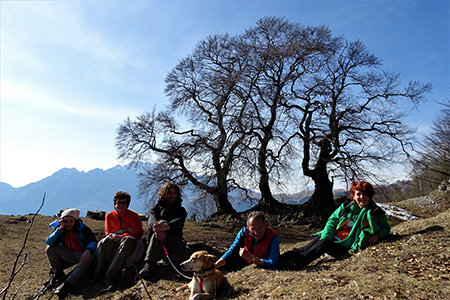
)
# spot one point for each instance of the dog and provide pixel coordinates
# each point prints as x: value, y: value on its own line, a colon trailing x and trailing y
x: 206, y: 280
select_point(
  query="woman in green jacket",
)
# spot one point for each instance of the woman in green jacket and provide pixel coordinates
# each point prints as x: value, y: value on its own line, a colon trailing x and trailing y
x: 357, y: 222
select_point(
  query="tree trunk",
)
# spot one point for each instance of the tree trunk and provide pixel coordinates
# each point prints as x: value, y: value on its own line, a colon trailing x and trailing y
x: 267, y: 201
x: 223, y: 205
x: 221, y: 197
x: 321, y: 204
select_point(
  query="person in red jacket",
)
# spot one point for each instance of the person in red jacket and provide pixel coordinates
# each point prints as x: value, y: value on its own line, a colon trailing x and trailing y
x: 123, y: 229
x: 255, y: 243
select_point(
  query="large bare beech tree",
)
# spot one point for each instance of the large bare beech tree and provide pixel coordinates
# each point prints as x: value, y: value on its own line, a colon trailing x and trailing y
x: 231, y: 93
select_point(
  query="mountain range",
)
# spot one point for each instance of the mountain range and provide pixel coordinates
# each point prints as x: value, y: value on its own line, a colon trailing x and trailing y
x: 94, y: 190
x: 66, y: 188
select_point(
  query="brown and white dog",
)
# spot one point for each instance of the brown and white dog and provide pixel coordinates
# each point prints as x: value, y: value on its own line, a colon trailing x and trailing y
x: 207, y: 279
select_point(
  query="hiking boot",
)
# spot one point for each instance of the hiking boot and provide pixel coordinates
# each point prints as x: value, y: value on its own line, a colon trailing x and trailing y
x: 54, y: 280
x: 147, y: 271
x: 59, y: 277
x: 63, y: 290
x: 96, y: 280
x: 111, y: 283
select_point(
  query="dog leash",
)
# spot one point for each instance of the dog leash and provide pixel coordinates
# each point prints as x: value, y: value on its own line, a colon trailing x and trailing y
x: 167, y: 255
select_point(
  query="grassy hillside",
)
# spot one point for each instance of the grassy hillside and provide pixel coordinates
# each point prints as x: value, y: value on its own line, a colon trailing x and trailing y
x: 411, y: 264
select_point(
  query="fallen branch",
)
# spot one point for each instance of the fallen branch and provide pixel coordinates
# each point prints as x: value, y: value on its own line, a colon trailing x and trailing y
x: 14, y: 272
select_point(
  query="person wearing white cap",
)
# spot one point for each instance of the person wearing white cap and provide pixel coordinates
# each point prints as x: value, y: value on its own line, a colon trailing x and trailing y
x: 71, y: 243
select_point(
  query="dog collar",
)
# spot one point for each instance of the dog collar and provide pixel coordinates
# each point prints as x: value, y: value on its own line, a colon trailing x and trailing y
x: 209, y: 269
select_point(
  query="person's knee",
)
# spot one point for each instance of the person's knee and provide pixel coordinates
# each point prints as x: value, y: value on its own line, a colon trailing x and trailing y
x: 128, y: 243
x: 128, y: 240
x: 290, y: 255
x: 106, y: 243
x: 51, y: 251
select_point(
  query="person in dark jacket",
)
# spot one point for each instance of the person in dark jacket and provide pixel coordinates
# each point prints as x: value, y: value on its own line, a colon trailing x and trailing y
x: 72, y: 243
x: 359, y: 221
x: 165, y: 222
x: 255, y: 243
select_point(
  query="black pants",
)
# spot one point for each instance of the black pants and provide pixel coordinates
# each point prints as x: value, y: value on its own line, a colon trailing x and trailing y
x: 299, y: 258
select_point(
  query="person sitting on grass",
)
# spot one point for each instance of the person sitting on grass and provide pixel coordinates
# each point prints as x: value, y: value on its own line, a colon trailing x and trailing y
x: 255, y: 243
x: 165, y: 222
x: 123, y: 230
x: 71, y: 243
x: 356, y: 223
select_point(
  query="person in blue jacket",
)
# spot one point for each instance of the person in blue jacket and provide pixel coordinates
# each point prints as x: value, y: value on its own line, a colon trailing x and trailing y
x: 71, y: 243
x: 255, y: 243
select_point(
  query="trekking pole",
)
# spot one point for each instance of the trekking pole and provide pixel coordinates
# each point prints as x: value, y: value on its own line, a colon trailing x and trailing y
x: 43, y: 289
x: 143, y: 283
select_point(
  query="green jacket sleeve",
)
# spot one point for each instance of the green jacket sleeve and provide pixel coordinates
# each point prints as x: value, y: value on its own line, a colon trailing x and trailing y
x: 330, y: 227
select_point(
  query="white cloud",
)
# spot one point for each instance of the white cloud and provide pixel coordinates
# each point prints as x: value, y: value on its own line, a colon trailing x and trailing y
x: 51, y: 37
x: 40, y: 99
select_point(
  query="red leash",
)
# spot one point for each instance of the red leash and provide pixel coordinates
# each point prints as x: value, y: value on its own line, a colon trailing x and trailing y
x: 167, y: 255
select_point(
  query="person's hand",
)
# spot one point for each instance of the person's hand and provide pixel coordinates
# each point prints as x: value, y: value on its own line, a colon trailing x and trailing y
x: 244, y: 254
x: 61, y: 223
x: 115, y: 237
x: 85, y: 257
x: 160, y: 227
x: 373, y: 239
x: 160, y: 235
x: 124, y: 230
x: 221, y: 262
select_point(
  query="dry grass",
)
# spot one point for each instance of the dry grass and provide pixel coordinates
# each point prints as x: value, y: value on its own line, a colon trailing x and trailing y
x: 412, y: 264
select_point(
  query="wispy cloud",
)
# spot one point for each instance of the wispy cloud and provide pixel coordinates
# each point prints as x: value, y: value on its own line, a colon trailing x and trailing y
x: 35, y: 33
x: 42, y: 100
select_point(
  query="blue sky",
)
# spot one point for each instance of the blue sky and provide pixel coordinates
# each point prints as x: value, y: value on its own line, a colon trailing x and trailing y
x: 72, y: 71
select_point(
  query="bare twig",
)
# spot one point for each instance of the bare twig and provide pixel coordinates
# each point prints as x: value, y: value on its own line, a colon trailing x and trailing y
x: 14, y: 272
x: 15, y: 293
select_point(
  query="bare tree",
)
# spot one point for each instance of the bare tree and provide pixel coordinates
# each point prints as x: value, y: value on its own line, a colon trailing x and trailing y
x: 231, y: 90
x: 432, y: 164
x: 350, y: 120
